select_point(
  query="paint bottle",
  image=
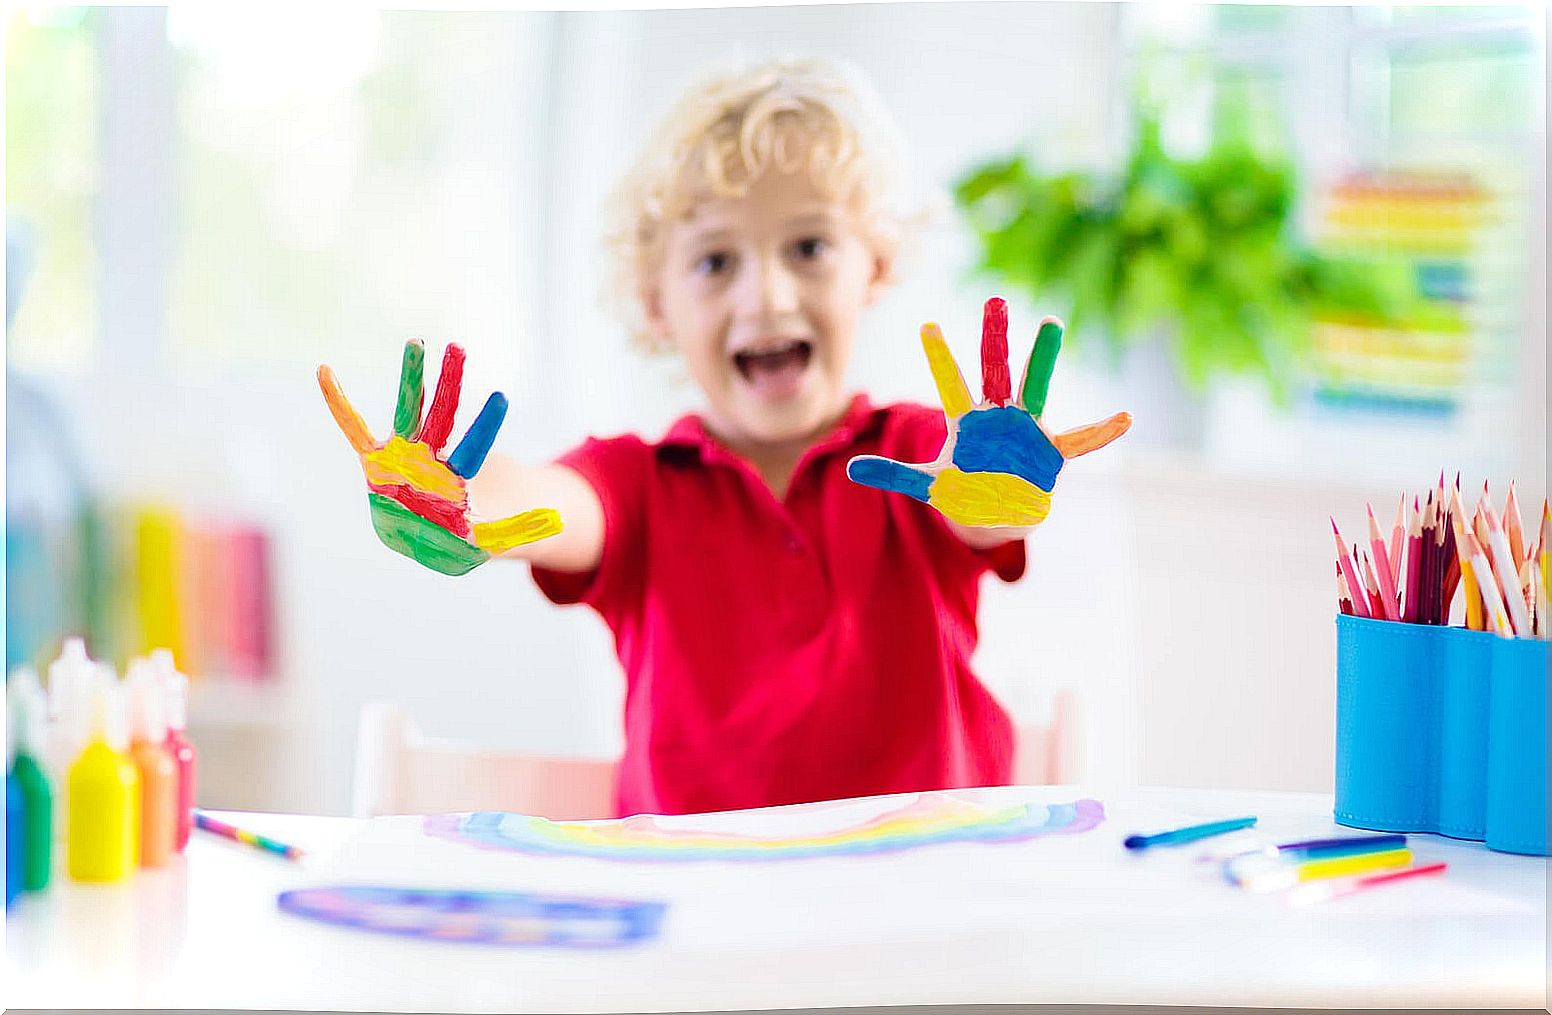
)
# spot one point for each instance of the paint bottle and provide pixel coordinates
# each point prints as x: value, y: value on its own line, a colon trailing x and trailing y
x: 69, y: 688
x: 154, y: 761
x: 15, y: 823
x: 175, y: 687
x: 28, y: 708
x: 103, y: 795
x: 70, y: 679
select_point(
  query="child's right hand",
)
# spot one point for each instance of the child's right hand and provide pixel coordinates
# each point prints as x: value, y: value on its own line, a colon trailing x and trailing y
x: 420, y: 501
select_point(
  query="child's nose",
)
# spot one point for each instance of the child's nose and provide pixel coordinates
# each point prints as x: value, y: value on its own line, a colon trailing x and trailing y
x: 774, y: 291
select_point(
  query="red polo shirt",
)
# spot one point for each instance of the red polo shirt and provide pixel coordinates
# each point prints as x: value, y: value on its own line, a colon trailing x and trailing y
x: 782, y: 651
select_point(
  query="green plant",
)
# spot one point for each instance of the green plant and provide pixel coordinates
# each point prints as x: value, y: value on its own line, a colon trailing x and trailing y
x: 1203, y: 250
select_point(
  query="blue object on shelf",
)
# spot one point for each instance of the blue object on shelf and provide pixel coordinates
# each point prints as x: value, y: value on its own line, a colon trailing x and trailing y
x: 15, y: 824
x: 1442, y: 730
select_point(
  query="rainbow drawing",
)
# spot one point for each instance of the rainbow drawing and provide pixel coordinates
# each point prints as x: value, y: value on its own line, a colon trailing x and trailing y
x: 928, y: 819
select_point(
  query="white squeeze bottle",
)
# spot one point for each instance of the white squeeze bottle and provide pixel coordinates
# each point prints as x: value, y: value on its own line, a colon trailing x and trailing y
x: 70, y: 680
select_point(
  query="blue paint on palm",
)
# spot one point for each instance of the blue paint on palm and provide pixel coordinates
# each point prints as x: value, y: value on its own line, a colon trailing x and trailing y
x: 897, y: 477
x: 1006, y: 439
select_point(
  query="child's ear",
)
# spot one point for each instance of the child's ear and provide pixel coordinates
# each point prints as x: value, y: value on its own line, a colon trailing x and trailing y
x: 652, y: 314
x: 883, y: 274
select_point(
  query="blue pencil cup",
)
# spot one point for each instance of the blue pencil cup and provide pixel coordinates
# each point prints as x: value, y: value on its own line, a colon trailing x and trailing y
x: 1517, y: 747
x: 1442, y: 730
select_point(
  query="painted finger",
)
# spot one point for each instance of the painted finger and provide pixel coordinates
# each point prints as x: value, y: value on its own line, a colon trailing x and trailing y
x: 996, y: 387
x: 444, y: 404
x: 952, y: 391
x: 888, y: 474
x: 1092, y: 437
x: 498, y: 537
x: 412, y: 389
x: 345, y: 415
x: 1042, y: 361
x: 468, y: 457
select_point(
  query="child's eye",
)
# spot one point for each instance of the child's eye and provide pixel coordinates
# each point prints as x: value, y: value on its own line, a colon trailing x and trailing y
x: 810, y: 247
x: 714, y: 263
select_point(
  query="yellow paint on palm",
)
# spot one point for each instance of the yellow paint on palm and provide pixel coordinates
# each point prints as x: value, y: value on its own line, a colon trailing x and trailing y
x: 402, y: 462
x: 988, y: 498
x: 498, y: 537
x: 952, y: 390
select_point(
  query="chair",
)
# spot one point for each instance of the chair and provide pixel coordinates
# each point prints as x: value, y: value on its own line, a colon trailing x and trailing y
x: 399, y: 770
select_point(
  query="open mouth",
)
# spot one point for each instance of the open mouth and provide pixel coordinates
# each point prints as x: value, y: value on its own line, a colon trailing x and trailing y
x: 775, y: 369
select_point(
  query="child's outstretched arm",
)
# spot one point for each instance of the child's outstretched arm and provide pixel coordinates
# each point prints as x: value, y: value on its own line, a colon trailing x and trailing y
x: 994, y: 476
x: 419, y: 496
x: 506, y: 485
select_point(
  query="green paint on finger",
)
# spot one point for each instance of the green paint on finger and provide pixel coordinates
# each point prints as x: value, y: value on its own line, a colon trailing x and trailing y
x: 412, y: 389
x: 424, y: 542
x: 1042, y: 361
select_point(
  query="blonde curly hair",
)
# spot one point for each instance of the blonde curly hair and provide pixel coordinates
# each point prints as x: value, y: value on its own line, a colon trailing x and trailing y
x: 791, y: 114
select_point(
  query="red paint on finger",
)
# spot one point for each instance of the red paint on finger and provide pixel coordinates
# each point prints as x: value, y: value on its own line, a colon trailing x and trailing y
x: 439, y: 419
x: 996, y: 384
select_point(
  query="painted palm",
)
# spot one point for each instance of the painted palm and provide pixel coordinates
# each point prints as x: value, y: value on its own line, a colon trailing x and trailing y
x: 420, y: 500
x: 999, y: 465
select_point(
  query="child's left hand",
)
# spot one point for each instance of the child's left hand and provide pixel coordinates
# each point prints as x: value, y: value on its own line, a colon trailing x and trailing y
x: 998, y: 466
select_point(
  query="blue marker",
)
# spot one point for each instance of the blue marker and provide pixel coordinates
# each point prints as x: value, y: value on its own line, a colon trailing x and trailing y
x: 1190, y: 833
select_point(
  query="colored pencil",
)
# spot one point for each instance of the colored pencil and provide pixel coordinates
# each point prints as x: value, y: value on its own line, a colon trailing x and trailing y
x: 215, y: 827
x: 1468, y: 585
x: 1371, y: 587
x: 1354, y: 586
x: 1528, y: 593
x: 1324, y: 891
x: 1414, y: 563
x: 1397, y: 540
x: 1427, y: 577
x: 1343, y: 603
x: 1383, y: 573
x: 1508, y: 578
x: 1438, y: 606
x: 1451, y: 558
x: 1513, y: 530
x: 1190, y: 833
x: 1545, y: 544
x: 1307, y: 849
x: 1261, y: 877
x: 1493, y: 616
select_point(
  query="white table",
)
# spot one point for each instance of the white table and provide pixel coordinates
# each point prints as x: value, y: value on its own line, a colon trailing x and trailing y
x: 1094, y: 925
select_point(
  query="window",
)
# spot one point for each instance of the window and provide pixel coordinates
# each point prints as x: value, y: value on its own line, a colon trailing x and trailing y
x: 361, y: 197
x: 51, y: 176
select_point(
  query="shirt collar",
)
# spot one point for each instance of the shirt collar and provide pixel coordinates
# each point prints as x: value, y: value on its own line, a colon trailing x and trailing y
x: 689, y: 431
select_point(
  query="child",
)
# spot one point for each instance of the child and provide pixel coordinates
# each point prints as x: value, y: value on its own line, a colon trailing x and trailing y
x: 787, y: 634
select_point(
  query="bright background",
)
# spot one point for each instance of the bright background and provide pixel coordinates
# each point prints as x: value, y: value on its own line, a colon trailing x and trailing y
x: 220, y: 200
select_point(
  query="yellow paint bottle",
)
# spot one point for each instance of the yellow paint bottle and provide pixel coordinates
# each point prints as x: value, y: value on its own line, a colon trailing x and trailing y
x: 102, y: 839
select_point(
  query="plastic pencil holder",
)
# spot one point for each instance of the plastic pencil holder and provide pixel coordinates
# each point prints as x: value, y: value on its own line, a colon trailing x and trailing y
x: 1440, y: 729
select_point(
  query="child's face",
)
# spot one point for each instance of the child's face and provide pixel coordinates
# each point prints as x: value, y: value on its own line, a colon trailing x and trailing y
x: 761, y: 295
